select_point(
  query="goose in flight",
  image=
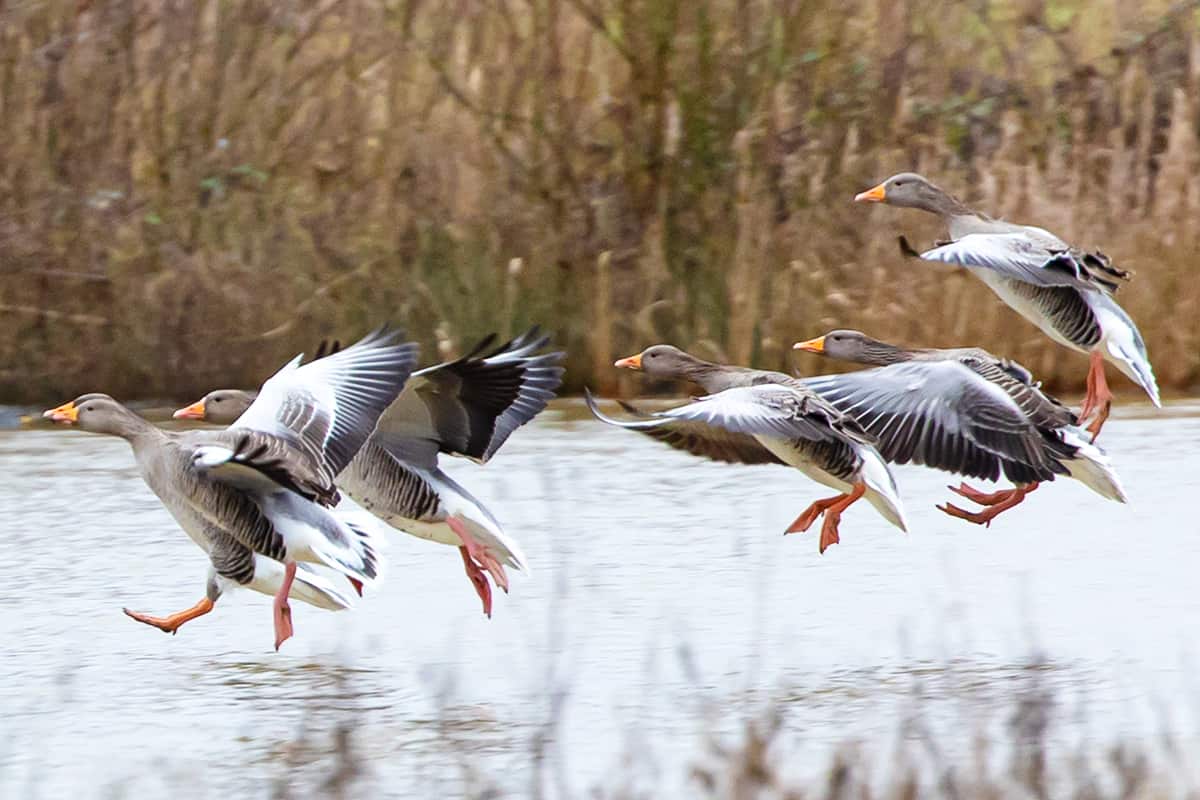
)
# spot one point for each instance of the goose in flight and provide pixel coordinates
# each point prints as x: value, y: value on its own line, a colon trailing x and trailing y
x: 1064, y: 290
x: 964, y: 411
x: 467, y: 407
x: 758, y: 417
x: 257, y: 497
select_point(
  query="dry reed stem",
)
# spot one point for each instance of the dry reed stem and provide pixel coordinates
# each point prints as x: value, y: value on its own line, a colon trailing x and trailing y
x: 201, y: 171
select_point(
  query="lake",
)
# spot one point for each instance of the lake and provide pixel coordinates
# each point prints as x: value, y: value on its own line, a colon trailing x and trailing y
x: 664, y: 607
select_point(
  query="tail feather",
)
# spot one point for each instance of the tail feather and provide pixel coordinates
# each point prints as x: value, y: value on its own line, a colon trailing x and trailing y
x: 483, y: 526
x: 881, y: 487
x: 1092, y: 467
x: 1136, y: 366
x: 361, y: 561
x: 319, y: 591
x: 344, y: 539
x: 1125, y: 345
x: 503, y: 547
x: 310, y: 586
x: 1143, y: 375
x: 368, y: 540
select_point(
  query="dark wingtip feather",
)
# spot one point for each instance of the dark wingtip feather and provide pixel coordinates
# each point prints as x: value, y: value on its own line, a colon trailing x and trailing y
x: 906, y: 249
x: 590, y: 400
x: 631, y: 408
x: 369, y: 557
x: 480, y: 346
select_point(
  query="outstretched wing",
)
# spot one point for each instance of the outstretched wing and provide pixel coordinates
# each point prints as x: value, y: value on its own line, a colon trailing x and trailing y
x: 1032, y: 256
x: 941, y: 415
x: 1017, y: 382
x: 725, y: 426
x: 470, y: 406
x: 327, y: 408
x: 697, y: 438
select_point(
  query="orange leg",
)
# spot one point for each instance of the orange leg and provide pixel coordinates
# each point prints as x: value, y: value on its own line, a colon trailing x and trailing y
x: 832, y: 508
x: 170, y: 624
x: 1099, y: 398
x: 987, y: 498
x: 833, y: 515
x: 283, y: 612
x: 999, y: 503
x: 810, y: 514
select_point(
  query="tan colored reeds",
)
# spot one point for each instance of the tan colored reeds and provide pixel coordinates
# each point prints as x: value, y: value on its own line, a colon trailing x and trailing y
x: 192, y: 191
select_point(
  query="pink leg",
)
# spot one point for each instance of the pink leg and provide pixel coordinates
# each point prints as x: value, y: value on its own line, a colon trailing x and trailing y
x: 479, y: 580
x: 1088, y: 404
x: 479, y: 554
x: 495, y: 569
x: 1102, y: 396
x: 283, y: 612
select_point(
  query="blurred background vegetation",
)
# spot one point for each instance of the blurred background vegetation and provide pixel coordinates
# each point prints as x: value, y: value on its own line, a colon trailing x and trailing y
x: 191, y: 191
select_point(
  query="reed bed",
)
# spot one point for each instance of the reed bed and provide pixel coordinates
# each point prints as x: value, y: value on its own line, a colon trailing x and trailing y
x: 193, y: 190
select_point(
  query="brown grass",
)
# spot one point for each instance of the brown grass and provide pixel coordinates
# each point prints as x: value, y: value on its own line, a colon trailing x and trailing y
x: 193, y: 190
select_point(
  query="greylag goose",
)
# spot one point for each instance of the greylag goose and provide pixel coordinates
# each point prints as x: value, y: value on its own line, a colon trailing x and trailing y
x: 759, y: 417
x: 1065, y: 291
x: 467, y: 407
x: 255, y: 496
x: 965, y: 411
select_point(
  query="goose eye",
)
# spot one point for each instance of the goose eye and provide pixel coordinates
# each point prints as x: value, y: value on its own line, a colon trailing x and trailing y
x: 216, y: 399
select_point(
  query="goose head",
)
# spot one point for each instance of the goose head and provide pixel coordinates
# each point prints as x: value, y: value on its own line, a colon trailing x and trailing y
x: 910, y: 190
x: 96, y: 413
x: 662, y: 361
x: 220, y: 407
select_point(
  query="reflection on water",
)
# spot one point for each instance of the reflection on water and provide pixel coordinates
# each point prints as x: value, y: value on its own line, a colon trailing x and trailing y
x: 664, y: 606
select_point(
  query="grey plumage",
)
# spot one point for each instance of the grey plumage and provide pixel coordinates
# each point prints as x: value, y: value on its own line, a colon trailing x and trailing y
x: 250, y: 495
x: 962, y: 410
x: 1064, y: 290
x: 761, y: 417
x: 325, y: 409
x: 933, y: 413
x: 697, y: 438
x: 465, y: 407
x: 471, y: 405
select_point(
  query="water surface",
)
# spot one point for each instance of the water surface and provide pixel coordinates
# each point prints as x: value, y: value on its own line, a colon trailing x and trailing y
x: 663, y: 603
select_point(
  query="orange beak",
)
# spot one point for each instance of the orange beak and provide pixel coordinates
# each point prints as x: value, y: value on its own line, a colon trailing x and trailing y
x: 67, y: 413
x: 633, y: 362
x: 816, y: 345
x: 876, y: 195
x: 194, y: 411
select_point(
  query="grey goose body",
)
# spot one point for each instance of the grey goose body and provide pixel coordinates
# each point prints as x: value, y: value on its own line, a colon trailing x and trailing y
x: 467, y: 407
x: 760, y: 417
x: 242, y: 543
x: 1064, y: 290
x: 255, y: 497
x: 964, y: 411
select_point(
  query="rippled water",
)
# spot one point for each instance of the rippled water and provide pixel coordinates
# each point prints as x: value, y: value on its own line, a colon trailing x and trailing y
x: 663, y: 602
